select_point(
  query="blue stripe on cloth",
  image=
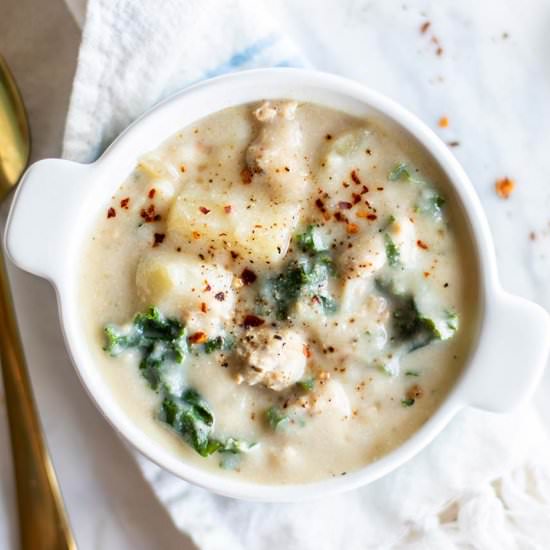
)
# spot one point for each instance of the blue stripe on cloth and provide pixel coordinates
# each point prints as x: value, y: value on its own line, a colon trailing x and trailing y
x: 241, y: 58
x: 290, y: 63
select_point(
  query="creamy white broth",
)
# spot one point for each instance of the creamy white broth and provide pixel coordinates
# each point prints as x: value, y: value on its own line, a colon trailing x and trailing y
x: 218, y: 210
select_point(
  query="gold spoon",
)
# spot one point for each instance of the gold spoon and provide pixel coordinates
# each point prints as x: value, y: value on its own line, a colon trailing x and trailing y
x: 43, y: 523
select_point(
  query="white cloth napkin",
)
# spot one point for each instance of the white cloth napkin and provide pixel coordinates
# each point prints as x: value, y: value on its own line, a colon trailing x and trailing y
x: 483, y: 484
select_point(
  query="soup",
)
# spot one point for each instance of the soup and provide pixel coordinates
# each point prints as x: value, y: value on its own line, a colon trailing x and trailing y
x: 281, y: 292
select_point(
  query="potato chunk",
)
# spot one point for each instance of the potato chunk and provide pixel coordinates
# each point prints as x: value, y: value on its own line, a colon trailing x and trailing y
x: 275, y: 359
x: 347, y: 149
x: 183, y: 286
x: 276, y: 156
x: 251, y: 226
x: 364, y: 258
x: 329, y: 398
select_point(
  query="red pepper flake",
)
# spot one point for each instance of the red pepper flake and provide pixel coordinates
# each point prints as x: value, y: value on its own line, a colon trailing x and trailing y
x: 422, y: 244
x: 149, y: 214
x: 362, y: 214
x: 248, y: 276
x: 320, y: 205
x: 204, y: 210
x: 443, y: 122
x: 124, y: 203
x: 372, y: 217
x: 252, y: 321
x: 196, y: 235
x: 343, y: 205
x: 152, y: 193
x: 364, y: 189
x: 340, y: 217
x: 246, y: 175
x: 220, y: 296
x: 352, y: 228
x: 198, y: 338
x: 505, y: 187
x: 159, y: 239
x: 415, y: 392
x: 227, y: 208
x: 306, y: 351
x: 355, y: 177
x: 424, y: 27
x: 426, y: 274
x: 234, y: 254
x: 111, y: 213
x: 356, y: 198
x: 204, y: 307
x: 182, y: 168
x: 207, y: 287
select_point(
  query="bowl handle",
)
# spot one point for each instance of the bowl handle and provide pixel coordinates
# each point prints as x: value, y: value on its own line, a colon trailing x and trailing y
x: 511, y: 355
x: 44, y: 213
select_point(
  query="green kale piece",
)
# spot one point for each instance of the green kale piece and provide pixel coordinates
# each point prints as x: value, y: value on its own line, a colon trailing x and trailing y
x: 399, y: 171
x: 310, y: 240
x: 430, y: 203
x: 234, y: 446
x: 285, y: 289
x: 307, y: 384
x: 163, y: 344
x: 407, y: 402
x: 160, y: 340
x: 392, y: 251
x: 402, y: 171
x: 214, y: 344
x: 192, y: 418
x: 307, y: 277
x: 276, y: 418
x: 410, y: 325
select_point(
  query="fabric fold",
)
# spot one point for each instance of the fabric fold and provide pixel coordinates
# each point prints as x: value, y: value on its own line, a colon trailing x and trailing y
x: 472, y: 487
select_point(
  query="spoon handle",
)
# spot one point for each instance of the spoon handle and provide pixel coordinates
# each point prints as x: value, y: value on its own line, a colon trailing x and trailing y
x: 43, y: 522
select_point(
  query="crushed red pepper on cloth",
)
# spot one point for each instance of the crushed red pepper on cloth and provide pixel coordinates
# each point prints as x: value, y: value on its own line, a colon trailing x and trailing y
x: 504, y: 187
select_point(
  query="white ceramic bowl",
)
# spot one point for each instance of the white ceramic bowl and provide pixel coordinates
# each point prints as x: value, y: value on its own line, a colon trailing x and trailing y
x: 59, y: 201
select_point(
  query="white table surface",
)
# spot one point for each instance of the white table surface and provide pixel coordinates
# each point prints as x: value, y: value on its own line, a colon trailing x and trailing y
x: 492, y: 81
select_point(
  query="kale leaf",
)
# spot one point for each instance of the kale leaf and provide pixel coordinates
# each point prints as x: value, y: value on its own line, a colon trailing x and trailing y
x: 411, y: 326
x: 392, y: 251
x: 163, y: 344
x: 213, y: 344
x: 307, y: 384
x: 308, y: 276
x: 310, y: 240
x: 285, y: 289
x: 192, y: 418
x: 399, y: 171
x: 429, y: 201
x: 159, y: 339
x: 276, y: 418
